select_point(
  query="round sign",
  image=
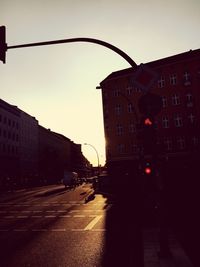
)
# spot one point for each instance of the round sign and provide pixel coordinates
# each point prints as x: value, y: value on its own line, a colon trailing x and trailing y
x: 150, y: 104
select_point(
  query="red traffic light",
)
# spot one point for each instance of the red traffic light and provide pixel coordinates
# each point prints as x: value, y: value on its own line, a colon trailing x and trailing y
x: 148, y: 122
x: 147, y: 170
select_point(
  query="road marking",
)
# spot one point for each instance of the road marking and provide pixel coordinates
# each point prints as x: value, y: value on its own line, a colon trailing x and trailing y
x: 72, y: 211
x: 39, y: 230
x: 93, y: 222
x: 58, y: 230
x: 98, y: 230
x: 65, y: 216
x: 9, y: 216
x: 79, y: 216
x: 50, y: 216
x: 22, y: 216
x: 77, y: 230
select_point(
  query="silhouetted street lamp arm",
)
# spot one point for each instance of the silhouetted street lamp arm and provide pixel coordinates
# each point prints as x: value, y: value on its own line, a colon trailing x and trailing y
x: 96, y: 153
x: 81, y: 39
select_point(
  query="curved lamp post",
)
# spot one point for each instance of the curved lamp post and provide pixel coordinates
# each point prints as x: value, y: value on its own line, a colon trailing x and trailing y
x: 96, y: 154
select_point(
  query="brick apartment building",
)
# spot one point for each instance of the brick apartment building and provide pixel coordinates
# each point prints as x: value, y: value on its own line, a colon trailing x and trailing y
x: 177, y: 124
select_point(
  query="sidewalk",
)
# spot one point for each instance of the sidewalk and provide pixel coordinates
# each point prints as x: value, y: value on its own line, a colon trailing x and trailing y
x: 151, y: 248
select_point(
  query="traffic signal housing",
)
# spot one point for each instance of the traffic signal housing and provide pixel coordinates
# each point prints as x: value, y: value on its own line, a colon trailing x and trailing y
x: 3, y: 45
x: 148, y: 134
x: 147, y: 168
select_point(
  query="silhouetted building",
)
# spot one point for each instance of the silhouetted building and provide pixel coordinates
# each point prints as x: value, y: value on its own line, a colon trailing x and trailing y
x: 9, y: 142
x: 177, y: 124
x: 28, y: 149
x: 31, y: 154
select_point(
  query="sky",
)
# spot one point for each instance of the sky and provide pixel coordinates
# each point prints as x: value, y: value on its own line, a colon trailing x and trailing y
x: 57, y: 83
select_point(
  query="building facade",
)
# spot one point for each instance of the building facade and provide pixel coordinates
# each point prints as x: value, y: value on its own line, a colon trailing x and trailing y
x: 177, y: 124
x: 31, y: 154
x: 9, y: 142
x: 28, y: 147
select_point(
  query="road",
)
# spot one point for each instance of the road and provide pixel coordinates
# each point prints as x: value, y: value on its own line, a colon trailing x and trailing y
x: 51, y: 226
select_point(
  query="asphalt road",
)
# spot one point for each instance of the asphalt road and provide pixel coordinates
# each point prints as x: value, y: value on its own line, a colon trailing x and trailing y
x: 50, y: 226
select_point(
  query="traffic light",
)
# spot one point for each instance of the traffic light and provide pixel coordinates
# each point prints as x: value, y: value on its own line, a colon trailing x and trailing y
x: 148, y: 134
x: 3, y: 45
x: 147, y: 168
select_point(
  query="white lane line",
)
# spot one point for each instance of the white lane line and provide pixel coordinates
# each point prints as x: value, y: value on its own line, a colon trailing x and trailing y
x: 22, y: 216
x: 79, y: 216
x: 58, y: 230
x: 39, y: 230
x: 9, y: 217
x: 98, y: 230
x: 50, y: 216
x: 73, y: 211
x: 77, y: 230
x: 4, y: 230
x: 93, y: 222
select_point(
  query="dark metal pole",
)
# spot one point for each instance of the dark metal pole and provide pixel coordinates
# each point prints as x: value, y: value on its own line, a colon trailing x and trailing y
x: 81, y: 39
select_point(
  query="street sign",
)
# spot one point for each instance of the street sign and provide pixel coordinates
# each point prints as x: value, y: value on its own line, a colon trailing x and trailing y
x: 144, y: 78
x: 150, y: 104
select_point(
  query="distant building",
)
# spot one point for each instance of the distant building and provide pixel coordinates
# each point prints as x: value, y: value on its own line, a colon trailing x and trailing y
x: 54, y: 155
x: 9, y: 142
x: 28, y: 149
x: 177, y: 124
x: 31, y: 154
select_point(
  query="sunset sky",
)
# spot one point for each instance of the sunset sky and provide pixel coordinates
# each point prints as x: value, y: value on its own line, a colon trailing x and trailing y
x: 57, y: 84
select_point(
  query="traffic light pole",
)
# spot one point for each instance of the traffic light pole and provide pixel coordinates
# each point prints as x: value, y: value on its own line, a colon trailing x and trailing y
x: 4, y: 47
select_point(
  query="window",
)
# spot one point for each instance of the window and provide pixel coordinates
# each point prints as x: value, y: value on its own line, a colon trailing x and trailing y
x: 164, y: 101
x: 189, y: 97
x: 132, y: 128
x: 165, y: 122
x: 118, y: 109
x: 116, y: 93
x: 191, y: 118
x: 195, y: 140
x: 120, y: 148
x: 130, y: 108
x: 134, y: 148
x: 119, y: 129
x: 189, y: 100
x: 161, y: 82
x: 186, y: 76
x: 175, y: 100
x: 178, y: 122
x: 129, y: 90
x: 173, y: 79
x: 168, y: 143
x: 181, y: 142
